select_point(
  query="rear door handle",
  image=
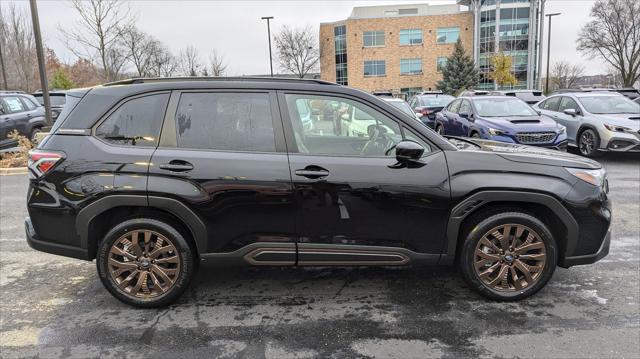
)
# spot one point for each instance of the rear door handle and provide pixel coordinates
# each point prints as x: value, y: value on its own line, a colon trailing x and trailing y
x: 312, y: 172
x: 177, y: 166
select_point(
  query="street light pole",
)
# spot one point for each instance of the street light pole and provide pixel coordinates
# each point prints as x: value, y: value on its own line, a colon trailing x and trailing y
x: 268, y: 18
x: 546, y: 86
x: 41, y: 67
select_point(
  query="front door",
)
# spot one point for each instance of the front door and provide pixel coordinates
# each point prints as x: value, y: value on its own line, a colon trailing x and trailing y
x: 222, y: 154
x: 348, y: 191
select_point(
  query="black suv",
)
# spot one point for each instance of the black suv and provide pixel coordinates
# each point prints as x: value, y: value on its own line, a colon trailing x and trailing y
x: 19, y: 112
x: 151, y: 176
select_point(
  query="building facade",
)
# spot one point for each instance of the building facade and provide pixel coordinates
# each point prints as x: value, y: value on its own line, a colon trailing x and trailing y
x: 398, y: 48
x: 401, y: 47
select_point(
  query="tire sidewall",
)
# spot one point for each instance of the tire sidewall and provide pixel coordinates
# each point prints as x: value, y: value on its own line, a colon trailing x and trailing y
x: 478, y: 231
x: 184, y: 253
x: 596, y: 143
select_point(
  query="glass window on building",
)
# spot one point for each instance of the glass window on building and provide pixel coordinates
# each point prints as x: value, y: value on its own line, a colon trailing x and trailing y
x: 410, y: 91
x: 410, y: 66
x: 373, y: 38
x: 441, y: 62
x: 448, y: 35
x: 374, y: 68
x: 411, y: 37
x: 340, y: 38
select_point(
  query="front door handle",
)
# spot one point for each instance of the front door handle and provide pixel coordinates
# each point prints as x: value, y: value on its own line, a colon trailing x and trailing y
x: 177, y: 166
x: 312, y: 172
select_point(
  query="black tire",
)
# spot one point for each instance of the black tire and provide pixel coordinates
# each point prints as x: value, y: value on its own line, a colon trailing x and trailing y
x: 477, y: 229
x: 33, y: 134
x: 440, y: 129
x: 186, y: 264
x: 475, y: 135
x: 588, y: 143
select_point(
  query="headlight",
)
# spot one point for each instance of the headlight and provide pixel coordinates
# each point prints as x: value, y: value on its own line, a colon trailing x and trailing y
x: 495, y: 132
x: 594, y: 177
x: 616, y: 128
x: 561, y: 129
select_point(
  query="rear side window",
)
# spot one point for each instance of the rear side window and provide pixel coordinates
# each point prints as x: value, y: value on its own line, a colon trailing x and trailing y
x: 30, y: 105
x: 551, y: 104
x: 226, y: 121
x: 136, y: 122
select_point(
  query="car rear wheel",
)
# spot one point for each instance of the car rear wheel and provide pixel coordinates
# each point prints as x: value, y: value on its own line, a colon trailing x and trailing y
x: 33, y: 136
x: 475, y: 135
x: 440, y: 129
x: 145, y: 263
x: 508, y: 256
x: 588, y: 143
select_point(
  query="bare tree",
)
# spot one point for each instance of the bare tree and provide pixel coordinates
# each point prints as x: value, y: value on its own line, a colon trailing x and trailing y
x: 98, y: 33
x: 614, y: 36
x: 217, y: 64
x: 565, y: 75
x: 189, y: 62
x: 141, y: 49
x: 297, y: 50
x: 163, y: 63
x: 18, y: 47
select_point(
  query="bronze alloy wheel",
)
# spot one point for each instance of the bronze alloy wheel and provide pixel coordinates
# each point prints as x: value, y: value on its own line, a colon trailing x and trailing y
x: 144, y: 264
x: 509, y: 258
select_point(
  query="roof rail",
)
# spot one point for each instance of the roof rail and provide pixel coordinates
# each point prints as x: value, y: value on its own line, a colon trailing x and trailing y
x: 143, y: 80
x: 4, y: 92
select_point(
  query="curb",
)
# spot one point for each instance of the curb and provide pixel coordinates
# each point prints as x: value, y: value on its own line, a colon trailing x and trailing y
x: 13, y: 171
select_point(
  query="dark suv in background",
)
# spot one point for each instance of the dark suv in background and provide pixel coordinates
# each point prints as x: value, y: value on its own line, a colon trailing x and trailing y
x: 151, y: 176
x: 19, y: 112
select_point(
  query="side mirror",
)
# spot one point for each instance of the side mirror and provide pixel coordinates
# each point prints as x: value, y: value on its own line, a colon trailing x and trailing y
x: 419, y: 114
x: 408, y: 151
x: 467, y: 115
x: 570, y: 112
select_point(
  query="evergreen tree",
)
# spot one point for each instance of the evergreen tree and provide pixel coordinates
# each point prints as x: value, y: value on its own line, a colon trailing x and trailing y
x: 60, y: 80
x: 459, y: 72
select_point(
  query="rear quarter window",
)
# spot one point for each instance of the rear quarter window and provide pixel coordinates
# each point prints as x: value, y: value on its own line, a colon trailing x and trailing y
x: 136, y: 122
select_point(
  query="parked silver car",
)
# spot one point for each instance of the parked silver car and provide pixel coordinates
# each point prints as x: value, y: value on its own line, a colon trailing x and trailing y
x: 596, y: 121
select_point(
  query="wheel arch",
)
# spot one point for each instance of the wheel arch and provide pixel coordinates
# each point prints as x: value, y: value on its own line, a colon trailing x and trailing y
x: 560, y: 221
x: 94, y: 220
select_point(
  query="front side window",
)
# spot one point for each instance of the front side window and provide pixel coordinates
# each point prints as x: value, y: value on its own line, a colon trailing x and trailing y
x: 447, y: 35
x: 410, y: 66
x: 226, y: 121
x: 136, y: 122
x: 341, y: 127
x: 13, y: 104
x: 551, y: 104
x: 411, y: 37
x: 374, y: 68
x: 373, y: 38
x: 568, y: 103
x: 410, y: 91
x: 465, y: 107
x: 609, y: 105
x: 441, y: 63
x: 454, y: 106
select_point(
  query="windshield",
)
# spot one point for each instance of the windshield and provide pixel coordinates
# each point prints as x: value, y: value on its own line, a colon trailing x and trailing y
x: 609, y: 104
x: 403, y: 106
x: 503, y: 107
x: 437, y: 100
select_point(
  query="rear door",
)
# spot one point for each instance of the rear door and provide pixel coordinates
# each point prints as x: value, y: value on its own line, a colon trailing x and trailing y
x: 572, y: 123
x: 16, y: 115
x: 222, y: 154
x: 449, y: 115
x: 347, y: 191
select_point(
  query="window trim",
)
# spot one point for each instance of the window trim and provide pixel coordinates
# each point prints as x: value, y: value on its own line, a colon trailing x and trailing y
x: 384, y: 38
x: 364, y: 65
x: 292, y: 147
x: 411, y: 30
x: 115, y: 107
x: 411, y: 61
x: 167, y: 141
x: 447, y: 28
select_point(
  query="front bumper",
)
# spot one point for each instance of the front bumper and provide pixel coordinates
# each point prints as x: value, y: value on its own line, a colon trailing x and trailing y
x: 589, y: 258
x: 48, y: 247
x: 620, y: 142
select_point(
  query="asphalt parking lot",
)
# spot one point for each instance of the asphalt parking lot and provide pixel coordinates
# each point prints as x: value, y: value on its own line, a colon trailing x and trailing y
x: 52, y: 306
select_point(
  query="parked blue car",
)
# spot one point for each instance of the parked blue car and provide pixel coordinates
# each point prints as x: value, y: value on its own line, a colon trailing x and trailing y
x: 499, y: 118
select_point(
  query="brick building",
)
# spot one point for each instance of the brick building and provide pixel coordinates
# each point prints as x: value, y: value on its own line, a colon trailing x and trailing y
x: 401, y: 47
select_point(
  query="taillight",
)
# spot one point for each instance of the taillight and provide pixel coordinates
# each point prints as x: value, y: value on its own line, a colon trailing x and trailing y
x: 41, y: 162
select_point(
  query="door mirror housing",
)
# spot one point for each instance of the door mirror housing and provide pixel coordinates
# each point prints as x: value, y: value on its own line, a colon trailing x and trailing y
x: 408, y: 152
x: 467, y: 115
x: 570, y: 112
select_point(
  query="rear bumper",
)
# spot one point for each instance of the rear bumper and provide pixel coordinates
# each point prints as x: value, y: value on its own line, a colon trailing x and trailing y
x: 589, y: 258
x: 53, y: 248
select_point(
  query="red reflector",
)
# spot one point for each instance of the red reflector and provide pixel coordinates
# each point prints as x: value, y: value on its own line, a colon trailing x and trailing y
x: 40, y: 162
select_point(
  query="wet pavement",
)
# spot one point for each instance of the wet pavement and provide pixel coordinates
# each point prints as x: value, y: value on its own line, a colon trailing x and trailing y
x: 52, y: 307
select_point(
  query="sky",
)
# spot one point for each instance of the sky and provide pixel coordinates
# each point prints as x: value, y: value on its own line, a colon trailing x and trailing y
x: 235, y: 30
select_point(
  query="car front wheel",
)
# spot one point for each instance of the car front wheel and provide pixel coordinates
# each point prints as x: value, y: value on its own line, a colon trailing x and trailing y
x: 145, y: 262
x: 508, y: 256
x: 588, y: 143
